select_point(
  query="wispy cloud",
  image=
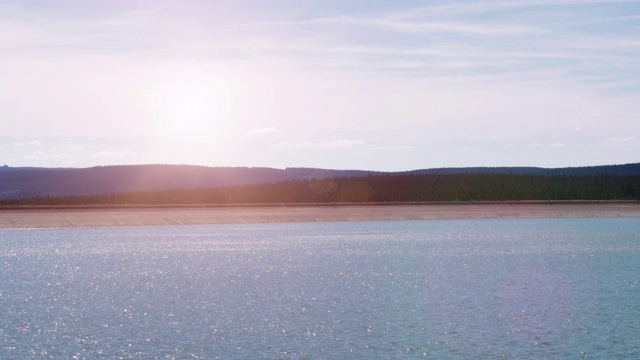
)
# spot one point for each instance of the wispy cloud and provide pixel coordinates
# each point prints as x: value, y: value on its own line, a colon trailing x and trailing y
x: 618, y: 139
x: 337, y: 144
x: 37, y: 155
x: 602, y: 20
x: 424, y: 27
x: 113, y: 154
x: 266, y: 131
x: 27, y: 143
x: 454, y: 27
x: 421, y: 42
x: 484, y: 6
x: 397, y: 148
x: 67, y: 148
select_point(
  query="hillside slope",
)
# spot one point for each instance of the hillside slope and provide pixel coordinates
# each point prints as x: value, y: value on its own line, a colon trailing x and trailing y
x: 28, y: 182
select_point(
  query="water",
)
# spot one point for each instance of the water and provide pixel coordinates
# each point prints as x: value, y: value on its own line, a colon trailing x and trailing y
x: 451, y: 289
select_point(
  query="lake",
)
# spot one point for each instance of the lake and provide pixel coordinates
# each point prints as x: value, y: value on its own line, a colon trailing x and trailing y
x: 450, y: 289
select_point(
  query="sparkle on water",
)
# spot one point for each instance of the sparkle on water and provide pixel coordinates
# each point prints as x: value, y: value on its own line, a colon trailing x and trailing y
x: 538, y: 288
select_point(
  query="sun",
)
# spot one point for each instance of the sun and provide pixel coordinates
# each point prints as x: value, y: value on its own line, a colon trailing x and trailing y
x: 192, y: 112
x: 188, y: 106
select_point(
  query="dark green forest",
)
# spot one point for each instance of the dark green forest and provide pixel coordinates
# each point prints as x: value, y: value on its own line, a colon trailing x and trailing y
x: 396, y: 188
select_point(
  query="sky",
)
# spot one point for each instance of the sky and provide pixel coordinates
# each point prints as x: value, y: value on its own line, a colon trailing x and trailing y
x: 360, y: 84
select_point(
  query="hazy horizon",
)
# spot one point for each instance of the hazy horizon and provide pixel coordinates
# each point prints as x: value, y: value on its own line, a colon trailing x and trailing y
x: 312, y: 168
x: 357, y: 85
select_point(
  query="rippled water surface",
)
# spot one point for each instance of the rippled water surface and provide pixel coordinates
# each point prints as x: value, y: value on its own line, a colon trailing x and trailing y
x: 455, y: 289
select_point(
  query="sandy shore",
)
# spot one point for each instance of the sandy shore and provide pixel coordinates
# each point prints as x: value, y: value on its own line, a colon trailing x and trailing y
x: 90, y: 217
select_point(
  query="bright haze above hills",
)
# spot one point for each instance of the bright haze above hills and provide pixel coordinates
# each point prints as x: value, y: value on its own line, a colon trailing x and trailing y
x: 376, y: 85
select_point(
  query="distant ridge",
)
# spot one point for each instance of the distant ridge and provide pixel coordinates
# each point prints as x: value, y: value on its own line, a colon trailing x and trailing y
x: 624, y: 169
x: 26, y: 182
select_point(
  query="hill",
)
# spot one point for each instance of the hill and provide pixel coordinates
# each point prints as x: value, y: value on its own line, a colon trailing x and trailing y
x: 20, y: 183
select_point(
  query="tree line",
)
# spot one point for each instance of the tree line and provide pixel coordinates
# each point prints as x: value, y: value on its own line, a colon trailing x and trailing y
x: 396, y: 188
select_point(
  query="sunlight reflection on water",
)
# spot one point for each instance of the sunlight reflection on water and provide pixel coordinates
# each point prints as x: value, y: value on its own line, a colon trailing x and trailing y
x: 556, y: 288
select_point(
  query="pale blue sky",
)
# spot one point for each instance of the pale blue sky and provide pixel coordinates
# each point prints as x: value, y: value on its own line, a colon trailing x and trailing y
x: 381, y: 85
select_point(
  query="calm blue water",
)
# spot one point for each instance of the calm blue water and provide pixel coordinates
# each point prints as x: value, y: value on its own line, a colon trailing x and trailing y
x: 452, y: 289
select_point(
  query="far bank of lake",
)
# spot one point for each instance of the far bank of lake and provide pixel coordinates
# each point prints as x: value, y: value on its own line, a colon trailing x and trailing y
x: 176, y: 215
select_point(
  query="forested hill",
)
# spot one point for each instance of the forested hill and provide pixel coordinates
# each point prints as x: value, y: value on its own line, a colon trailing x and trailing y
x: 16, y: 183
x: 28, y: 182
x: 390, y: 188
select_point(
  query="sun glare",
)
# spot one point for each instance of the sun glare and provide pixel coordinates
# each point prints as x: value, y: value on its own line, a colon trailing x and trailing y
x: 188, y: 106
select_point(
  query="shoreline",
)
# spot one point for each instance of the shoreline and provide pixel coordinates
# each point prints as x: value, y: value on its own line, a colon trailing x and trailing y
x: 29, y: 218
